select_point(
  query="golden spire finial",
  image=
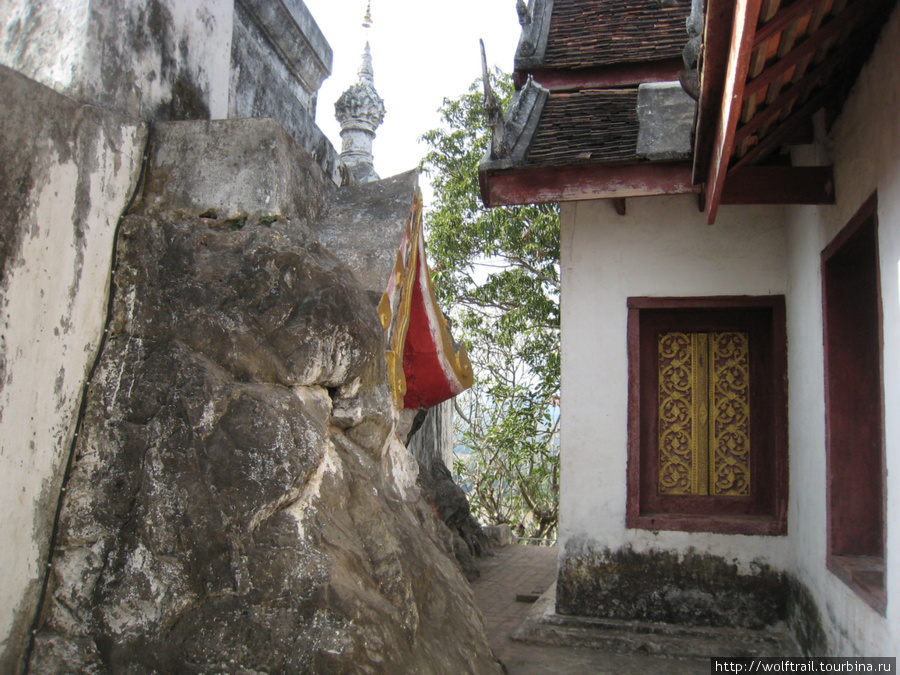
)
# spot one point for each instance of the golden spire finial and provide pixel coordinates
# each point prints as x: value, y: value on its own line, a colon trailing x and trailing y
x: 367, y: 19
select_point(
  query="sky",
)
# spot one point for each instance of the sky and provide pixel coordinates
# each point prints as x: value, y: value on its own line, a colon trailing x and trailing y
x: 422, y: 52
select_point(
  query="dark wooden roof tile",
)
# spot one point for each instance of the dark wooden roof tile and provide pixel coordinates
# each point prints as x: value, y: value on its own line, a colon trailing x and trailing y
x: 592, y: 126
x: 585, y: 33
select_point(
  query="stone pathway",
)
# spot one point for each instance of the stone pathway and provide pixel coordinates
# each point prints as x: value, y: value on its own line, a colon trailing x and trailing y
x: 525, y: 570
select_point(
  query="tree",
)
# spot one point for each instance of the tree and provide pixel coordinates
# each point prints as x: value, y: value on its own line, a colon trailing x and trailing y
x: 498, y: 271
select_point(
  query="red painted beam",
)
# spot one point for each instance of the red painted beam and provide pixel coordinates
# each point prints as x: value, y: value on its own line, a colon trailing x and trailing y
x: 568, y: 184
x: 786, y: 129
x: 602, y: 77
x: 808, y: 47
x: 784, y: 18
x: 746, y: 15
x: 780, y: 185
x: 788, y: 97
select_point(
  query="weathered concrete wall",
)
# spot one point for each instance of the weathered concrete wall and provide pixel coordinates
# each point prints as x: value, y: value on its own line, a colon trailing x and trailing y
x: 279, y: 57
x: 434, y: 439
x: 154, y: 59
x: 865, y: 148
x: 66, y: 176
x: 46, y: 41
x: 667, y: 587
x: 178, y: 59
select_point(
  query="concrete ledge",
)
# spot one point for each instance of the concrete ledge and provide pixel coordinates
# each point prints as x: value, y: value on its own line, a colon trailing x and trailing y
x: 296, y: 38
x: 543, y: 625
x: 364, y: 225
x: 234, y: 168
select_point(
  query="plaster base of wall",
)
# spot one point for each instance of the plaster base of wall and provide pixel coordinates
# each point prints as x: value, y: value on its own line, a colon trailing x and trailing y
x: 662, y: 594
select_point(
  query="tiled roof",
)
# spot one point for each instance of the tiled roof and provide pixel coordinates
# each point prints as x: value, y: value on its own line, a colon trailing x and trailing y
x: 587, y: 33
x: 586, y: 127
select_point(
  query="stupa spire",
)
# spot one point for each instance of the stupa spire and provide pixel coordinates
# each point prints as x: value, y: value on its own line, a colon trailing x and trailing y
x: 360, y: 110
x: 366, y: 73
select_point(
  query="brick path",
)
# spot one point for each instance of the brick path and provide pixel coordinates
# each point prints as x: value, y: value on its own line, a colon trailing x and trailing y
x: 512, y: 570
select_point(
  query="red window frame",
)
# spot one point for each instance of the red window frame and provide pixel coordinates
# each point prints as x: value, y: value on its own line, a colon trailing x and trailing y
x: 765, y: 510
x: 854, y: 407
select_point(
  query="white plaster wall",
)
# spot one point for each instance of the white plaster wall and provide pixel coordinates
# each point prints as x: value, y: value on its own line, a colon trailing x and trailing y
x: 662, y: 247
x: 865, y: 147
x: 53, y: 302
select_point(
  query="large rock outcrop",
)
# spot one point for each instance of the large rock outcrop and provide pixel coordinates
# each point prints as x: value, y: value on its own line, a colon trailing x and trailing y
x: 238, y: 501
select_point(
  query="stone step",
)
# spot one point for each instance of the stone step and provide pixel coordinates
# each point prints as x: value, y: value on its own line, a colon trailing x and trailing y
x: 544, y: 626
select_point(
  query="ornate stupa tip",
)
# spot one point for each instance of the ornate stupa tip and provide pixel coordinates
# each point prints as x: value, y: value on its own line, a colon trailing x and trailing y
x: 360, y: 103
x: 367, y: 19
x: 360, y: 110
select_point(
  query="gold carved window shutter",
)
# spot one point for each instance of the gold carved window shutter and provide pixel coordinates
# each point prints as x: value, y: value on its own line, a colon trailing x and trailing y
x: 704, y: 414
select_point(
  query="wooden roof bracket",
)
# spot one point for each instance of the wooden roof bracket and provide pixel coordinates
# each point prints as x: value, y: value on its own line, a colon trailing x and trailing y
x: 603, y: 77
x: 746, y: 16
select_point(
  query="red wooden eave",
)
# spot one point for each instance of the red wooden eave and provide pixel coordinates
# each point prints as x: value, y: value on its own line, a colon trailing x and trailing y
x: 602, y: 181
x: 767, y: 66
x: 602, y: 77
x: 746, y: 15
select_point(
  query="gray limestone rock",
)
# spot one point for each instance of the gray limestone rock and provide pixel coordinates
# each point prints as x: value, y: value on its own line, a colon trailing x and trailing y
x: 238, y: 502
x: 263, y: 300
x: 450, y: 503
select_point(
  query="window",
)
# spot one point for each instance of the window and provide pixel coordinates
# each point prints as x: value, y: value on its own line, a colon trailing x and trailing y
x: 707, y: 414
x: 854, y: 407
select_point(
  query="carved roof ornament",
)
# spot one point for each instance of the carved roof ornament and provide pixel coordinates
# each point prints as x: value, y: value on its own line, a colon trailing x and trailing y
x: 524, y: 15
x: 493, y: 111
x: 360, y: 110
x: 690, y: 76
x: 535, y: 21
x: 512, y: 132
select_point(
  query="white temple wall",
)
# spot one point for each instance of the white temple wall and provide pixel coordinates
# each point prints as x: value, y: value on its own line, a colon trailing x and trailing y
x: 865, y: 148
x: 662, y: 247
x: 172, y: 60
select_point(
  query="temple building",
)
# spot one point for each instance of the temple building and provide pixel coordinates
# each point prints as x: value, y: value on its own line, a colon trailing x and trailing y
x: 729, y: 180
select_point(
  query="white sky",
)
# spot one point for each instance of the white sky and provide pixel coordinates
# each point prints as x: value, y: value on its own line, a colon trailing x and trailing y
x: 422, y: 52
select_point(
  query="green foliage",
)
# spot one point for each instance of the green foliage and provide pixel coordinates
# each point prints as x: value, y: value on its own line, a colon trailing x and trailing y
x: 497, y: 270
